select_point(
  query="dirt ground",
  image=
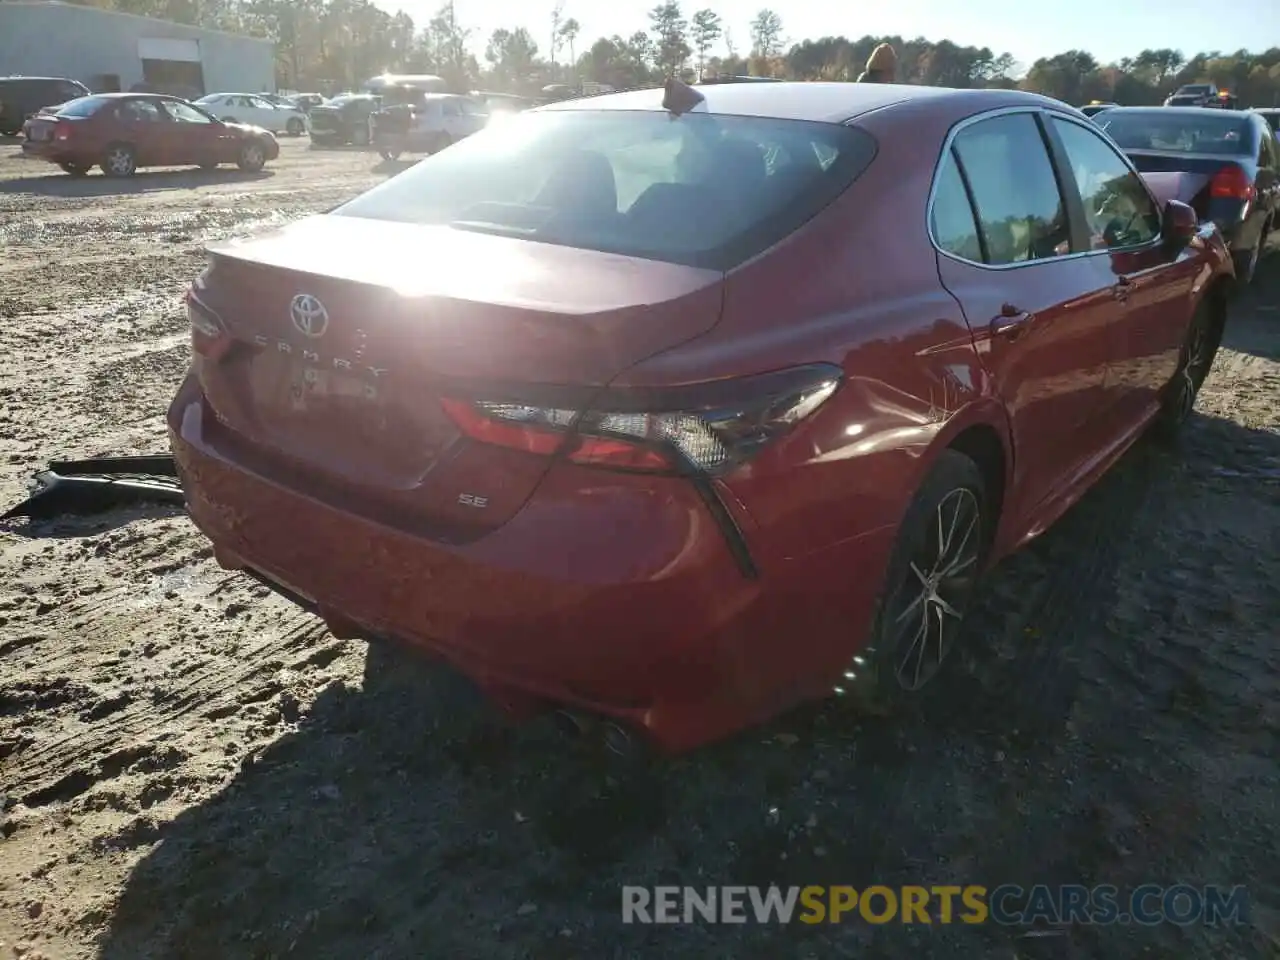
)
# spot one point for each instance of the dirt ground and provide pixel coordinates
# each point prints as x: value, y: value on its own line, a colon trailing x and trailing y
x: 190, y: 767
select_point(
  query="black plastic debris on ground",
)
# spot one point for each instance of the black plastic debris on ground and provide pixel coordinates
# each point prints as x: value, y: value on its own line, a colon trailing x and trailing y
x: 99, y: 484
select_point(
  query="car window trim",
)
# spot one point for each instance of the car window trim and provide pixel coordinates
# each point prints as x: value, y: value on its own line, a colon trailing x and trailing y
x: 978, y: 232
x: 1158, y: 239
x: 1074, y: 210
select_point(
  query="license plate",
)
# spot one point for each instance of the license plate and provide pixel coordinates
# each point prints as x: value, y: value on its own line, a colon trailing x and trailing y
x: 313, y: 385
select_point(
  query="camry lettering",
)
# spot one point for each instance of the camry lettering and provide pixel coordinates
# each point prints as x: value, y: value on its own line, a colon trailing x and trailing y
x: 311, y: 356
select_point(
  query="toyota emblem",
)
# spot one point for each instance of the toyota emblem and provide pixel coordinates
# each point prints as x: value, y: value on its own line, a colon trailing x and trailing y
x: 309, y: 315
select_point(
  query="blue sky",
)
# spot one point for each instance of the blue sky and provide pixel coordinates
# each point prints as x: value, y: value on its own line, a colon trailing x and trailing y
x: 1109, y: 29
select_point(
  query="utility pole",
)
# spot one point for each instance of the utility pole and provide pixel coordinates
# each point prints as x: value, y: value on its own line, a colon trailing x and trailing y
x: 556, y: 12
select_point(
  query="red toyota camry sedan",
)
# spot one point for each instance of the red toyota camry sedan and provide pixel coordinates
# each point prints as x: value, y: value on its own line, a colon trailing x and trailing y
x: 679, y: 409
x: 121, y: 132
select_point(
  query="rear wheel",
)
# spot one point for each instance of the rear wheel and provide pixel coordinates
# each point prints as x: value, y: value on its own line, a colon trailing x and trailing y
x: 75, y: 169
x: 932, y: 575
x: 295, y: 127
x: 1194, y: 363
x: 252, y: 157
x: 120, y: 160
x: 1246, y: 261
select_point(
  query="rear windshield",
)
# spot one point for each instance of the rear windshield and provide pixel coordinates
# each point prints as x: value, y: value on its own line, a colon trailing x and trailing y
x: 1195, y: 89
x: 1179, y: 132
x: 703, y: 190
x: 83, y: 107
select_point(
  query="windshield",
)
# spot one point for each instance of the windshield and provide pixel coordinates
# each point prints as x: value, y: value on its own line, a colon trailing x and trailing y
x: 1178, y: 132
x: 702, y: 190
x: 82, y: 107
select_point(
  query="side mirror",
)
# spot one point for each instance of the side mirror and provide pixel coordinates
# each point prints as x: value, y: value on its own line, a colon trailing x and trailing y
x: 1180, y: 223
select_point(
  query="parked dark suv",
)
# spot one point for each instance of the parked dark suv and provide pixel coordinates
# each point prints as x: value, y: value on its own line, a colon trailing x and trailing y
x: 20, y: 97
x: 344, y: 119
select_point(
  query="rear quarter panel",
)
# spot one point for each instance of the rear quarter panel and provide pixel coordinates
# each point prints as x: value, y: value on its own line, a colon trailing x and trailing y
x: 857, y: 287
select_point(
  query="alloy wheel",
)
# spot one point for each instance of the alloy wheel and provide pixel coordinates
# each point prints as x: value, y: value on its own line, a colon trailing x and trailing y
x: 253, y: 157
x: 926, y: 617
x: 120, y: 160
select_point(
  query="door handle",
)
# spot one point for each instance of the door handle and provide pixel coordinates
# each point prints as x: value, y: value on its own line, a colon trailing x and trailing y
x: 1011, y: 323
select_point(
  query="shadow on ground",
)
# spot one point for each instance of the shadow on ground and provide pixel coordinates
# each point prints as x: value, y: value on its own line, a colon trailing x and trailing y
x: 144, y: 181
x: 1108, y: 726
x: 1259, y: 333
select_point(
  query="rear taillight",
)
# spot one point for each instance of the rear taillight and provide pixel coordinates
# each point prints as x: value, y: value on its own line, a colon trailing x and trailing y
x: 209, y: 337
x: 1231, y: 183
x: 704, y: 430
x: 62, y: 130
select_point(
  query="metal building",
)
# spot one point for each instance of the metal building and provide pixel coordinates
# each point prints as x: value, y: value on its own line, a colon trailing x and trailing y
x: 109, y: 51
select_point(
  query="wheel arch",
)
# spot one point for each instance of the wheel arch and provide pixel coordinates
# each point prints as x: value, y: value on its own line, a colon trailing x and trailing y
x: 982, y: 432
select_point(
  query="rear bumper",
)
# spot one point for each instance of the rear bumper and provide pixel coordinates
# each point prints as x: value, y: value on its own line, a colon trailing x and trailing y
x: 612, y: 593
x: 49, y: 150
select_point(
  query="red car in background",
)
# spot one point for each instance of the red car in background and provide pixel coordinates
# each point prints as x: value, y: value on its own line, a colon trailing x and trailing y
x: 121, y: 132
x: 679, y: 411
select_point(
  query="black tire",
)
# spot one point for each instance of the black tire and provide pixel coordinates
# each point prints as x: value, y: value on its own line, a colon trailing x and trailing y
x: 74, y: 169
x: 946, y: 527
x: 119, y: 160
x: 389, y: 154
x: 252, y: 156
x: 360, y: 136
x: 1246, y: 261
x: 295, y: 127
x: 1195, y: 360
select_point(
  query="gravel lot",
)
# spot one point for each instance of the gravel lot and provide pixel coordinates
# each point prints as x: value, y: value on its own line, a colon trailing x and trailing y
x: 190, y: 767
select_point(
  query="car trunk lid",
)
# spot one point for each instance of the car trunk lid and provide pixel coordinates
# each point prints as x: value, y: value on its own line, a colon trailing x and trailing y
x: 1195, y: 176
x: 348, y: 333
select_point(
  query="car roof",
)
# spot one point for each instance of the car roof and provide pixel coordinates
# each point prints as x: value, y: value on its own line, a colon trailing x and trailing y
x: 814, y: 101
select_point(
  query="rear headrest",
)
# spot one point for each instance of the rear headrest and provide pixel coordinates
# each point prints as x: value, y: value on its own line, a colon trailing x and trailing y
x: 583, y: 180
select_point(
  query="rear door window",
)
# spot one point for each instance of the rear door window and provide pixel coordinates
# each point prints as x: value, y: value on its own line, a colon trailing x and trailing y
x: 1020, y: 210
x: 140, y: 111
